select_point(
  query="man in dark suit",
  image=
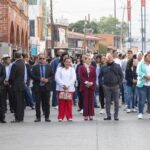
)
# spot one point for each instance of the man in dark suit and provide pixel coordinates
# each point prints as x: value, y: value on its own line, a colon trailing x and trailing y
x: 2, y: 99
x: 18, y: 78
x: 42, y: 75
x: 28, y: 95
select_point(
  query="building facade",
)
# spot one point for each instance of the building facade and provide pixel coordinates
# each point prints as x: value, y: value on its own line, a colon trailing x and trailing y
x: 13, y: 26
x: 38, y: 18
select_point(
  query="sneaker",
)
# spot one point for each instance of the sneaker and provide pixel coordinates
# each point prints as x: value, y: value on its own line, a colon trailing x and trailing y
x: 128, y: 110
x: 140, y: 116
x: 125, y: 107
x: 102, y: 111
x: 56, y: 107
x: 81, y: 112
x: 134, y: 110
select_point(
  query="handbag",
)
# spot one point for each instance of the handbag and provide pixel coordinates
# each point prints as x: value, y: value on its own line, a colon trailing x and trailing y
x: 65, y: 95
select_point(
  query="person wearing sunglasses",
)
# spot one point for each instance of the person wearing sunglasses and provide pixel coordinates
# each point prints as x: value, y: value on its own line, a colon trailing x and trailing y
x: 42, y: 75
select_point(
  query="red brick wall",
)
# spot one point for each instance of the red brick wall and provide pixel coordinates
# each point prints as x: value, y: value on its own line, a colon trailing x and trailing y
x: 3, y: 21
x: 9, y: 14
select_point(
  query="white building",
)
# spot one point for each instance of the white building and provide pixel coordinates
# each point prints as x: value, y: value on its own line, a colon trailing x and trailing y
x: 36, y: 26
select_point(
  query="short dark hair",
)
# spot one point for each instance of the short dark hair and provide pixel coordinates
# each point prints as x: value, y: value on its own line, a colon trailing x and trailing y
x: 18, y: 55
x: 114, y: 51
x: 129, y: 51
x: 25, y: 55
x: 99, y: 56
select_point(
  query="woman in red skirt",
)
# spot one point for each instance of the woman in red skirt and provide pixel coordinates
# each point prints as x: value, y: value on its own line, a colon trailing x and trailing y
x: 87, y: 75
x: 65, y: 80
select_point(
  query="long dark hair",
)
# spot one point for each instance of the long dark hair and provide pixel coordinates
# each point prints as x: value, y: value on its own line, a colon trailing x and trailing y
x: 129, y: 64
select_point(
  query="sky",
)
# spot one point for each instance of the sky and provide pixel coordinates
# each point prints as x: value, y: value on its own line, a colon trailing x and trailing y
x: 75, y: 10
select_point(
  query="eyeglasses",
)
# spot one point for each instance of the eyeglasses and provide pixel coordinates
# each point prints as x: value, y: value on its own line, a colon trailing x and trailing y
x: 41, y: 58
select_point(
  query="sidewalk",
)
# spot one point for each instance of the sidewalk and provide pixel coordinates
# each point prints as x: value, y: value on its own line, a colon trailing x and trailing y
x: 127, y: 134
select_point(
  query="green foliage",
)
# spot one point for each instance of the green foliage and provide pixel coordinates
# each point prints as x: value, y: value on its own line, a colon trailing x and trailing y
x: 106, y: 25
x: 80, y: 25
x: 102, y: 49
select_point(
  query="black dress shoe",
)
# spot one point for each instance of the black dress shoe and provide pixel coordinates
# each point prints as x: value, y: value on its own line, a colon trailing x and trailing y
x: 107, y: 118
x: 47, y: 120
x: 96, y: 106
x: 3, y: 121
x: 116, y: 119
x: 12, y: 111
x: 37, y: 120
x: 32, y: 107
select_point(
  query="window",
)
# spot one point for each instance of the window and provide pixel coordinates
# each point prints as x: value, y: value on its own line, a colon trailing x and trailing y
x: 32, y: 28
x: 32, y: 2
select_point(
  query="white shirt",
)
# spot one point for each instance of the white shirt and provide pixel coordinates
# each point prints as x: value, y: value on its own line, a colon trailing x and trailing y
x: 65, y: 77
x: 117, y: 61
x: 147, y: 83
x: 7, y: 68
x: 97, y: 73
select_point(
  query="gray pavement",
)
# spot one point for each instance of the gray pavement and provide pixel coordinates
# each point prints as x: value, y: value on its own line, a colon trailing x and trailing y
x: 127, y: 134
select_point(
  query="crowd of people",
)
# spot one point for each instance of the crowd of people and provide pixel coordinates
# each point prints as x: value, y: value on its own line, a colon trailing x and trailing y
x: 88, y: 81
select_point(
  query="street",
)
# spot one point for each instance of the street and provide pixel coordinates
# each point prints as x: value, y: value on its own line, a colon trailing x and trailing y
x: 127, y: 134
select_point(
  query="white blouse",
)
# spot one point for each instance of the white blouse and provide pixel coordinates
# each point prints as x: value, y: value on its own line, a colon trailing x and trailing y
x: 65, y: 77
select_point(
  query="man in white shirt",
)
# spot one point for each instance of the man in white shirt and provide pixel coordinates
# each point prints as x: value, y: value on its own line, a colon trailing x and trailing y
x: 7, y: 90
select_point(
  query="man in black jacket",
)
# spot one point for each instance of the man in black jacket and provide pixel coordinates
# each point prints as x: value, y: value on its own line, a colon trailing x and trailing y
x: 42, y: 75
x: 18, y: 78
x: 111, y: 77
x: 27, y: 92
x: 2, y: 98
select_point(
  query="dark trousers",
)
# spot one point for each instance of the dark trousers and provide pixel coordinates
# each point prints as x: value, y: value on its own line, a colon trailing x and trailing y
x: 101, y: 96
x: 88, y: 103
x: 2, y: 105
x: 54, y: 96
x: 19, y: 105
x: 80, y: 103
x: 42, y: 96
x: 112, y: 94
x: 8, y: 93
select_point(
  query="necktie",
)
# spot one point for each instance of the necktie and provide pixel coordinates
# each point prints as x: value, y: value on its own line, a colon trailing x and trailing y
x: 42, y: 71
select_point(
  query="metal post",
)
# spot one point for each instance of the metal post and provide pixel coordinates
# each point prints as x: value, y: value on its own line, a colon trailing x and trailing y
x: 52, y: 28
x: 115, y: 16
x: 142, y: 28
x: 145, y: 28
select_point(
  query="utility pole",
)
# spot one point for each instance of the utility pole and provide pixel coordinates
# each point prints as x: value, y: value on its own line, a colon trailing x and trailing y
x: 52, y: 28
x: 115, y: 14
x: 129, y: 23
x: 143, y: 25
x: 121, y: 36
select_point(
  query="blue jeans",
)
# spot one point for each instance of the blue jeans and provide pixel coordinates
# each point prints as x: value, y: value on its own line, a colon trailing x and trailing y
x: 125, y: 92
x: 134, y: 100
x: 143, y: 94
x: 28, y: 97
x: 129, y: 96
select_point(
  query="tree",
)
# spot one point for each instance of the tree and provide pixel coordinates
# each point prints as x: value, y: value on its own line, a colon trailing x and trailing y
x: 102, y: 49
x: 106, y: 25
x: 81, y: 25
x: 111, y: 25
